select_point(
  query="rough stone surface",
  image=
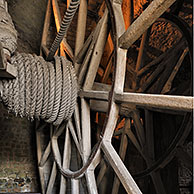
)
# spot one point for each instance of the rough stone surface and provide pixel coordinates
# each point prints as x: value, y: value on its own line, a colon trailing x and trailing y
x: 18, y: 171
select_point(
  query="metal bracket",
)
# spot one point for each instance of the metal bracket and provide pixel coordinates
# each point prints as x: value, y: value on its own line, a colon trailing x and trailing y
x: 6, y: 69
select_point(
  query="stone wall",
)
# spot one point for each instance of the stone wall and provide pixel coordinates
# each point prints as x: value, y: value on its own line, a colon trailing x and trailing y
x: 18, y: 160
x: 18, y: 169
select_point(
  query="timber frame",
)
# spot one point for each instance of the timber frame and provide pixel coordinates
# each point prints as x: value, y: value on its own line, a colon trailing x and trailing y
x: 103, y: 98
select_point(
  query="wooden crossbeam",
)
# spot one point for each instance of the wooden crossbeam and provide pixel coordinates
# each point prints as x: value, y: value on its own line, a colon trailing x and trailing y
x: 143, y: 22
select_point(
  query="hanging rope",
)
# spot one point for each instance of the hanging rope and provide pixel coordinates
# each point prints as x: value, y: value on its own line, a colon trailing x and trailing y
x: 8, y: 33
x: 64, y: 27
x: 40, y: 90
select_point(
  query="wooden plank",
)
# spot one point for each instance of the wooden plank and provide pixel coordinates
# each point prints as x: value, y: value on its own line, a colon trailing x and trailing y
x: 144, y: 21
x: 182, y: 103
x: 95, y: 95
x: 52, y: 179
x: 72, y: 130
x: 66, y: 160
x: 122, y: 154
x: 45, y: 155
x: 98, y: 51
x: 120, y: 169
x: 74, y: 186
x: 81, y: 26
x: 77, y: 124
x: 39, y: 154
x: 86, y: 141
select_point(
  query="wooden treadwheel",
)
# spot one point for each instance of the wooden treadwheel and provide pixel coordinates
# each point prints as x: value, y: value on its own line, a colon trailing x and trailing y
x: 69, y: 145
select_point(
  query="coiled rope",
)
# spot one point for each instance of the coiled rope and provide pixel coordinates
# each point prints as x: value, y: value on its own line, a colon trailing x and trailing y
x: 64, y: 27
x: 41, y: 90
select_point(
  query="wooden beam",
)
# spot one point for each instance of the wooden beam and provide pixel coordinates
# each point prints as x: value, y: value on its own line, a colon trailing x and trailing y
x: 143, y: 22
x: 120, y: 169
x: 181, y: 103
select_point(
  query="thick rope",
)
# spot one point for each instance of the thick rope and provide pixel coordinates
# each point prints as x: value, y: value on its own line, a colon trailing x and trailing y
x: 40, y: 90
x: 64, y: 27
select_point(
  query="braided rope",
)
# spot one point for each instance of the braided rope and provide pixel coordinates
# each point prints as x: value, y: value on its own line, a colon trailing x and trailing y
x: 65, y: 96
x: 10, y: 91
x: 64, y: 27
x: 21, y: 78
x: 34, y: 81
x: 73, y: 91
x: 27, y: 84
x: 39, y: 90
x: 15, y: 60
x: 52, y: 90
x: 45, y: 89
x: 58, y: 88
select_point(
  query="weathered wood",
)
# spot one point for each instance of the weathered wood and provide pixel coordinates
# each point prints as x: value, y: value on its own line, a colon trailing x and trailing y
x: 86, y: 142
x: 120, y: 169
x: 66, y: 160
x: 168, y: 84
x: 139, y: 128
x: 144, y: 21
x: 45, y: 155
x: 77, y: 124
x: 39, y: 154
x: 46, y: 25
x: 71, y: 128
x: 182, y: 103
x: 122, y: 153
x: 141, y: 51
x: 100, y: 95
x: 74, y: 186
x: 52, y: 179
x: 150, y: 152
x: 97, y: 53
x: 81, y: 26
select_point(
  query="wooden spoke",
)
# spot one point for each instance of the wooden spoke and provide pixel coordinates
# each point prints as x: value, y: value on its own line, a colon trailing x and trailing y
x: 71, y: 128
x: 101, y: 57
x: 52, y: 179
x: 45, y: 155
x: 139, y: 128
x: 122, y: 153
x: 182, y: 103
x: 168, y: 84
x: 66, y: 160
x: 120, y: 168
